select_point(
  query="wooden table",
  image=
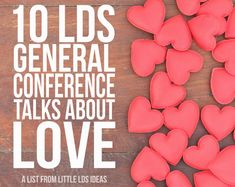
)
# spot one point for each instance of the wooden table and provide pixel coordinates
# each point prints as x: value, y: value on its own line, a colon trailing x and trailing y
x: 127, y: 86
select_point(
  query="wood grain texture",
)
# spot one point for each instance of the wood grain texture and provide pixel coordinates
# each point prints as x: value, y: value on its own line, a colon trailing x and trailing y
x: 127, y: 86
x: 75, y: 2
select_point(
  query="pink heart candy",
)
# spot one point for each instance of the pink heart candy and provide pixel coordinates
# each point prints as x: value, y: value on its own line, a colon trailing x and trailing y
x: 223, y: 166
x: 207, y: 179
x: 230, y: 30
x: 204, y: 28
x: 179, y: 65
x: 224, y: 53
x: 146, y: 184
x: 187, y: 7
x: 149, y: 164
x: 177, y: 179
x: 199, y: 157
x: 170, y: 146
x: 141, y: 118
x: 222, y: 86
x: 145, y: 54
x: 185, y: 117
x: 163, y: 93
x: 142, y: 16
x: 219, y: 8
x: 175, y: 31
x: 219, y: 123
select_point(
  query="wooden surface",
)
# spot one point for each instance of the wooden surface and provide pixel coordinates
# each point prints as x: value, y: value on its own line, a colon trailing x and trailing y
x: 127, y: 86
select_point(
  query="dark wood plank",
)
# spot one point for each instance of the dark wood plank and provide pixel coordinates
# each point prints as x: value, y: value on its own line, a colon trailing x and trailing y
x: 74, y: 2
x: 127, y: 86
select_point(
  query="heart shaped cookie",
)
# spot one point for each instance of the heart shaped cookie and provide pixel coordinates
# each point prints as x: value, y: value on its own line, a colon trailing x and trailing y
x: 204, y: 28
x: 219, y: 8
x: 223, y: 166
x: 141, y: 118
x: 163, y: 93
x: 185, y: 117
x: 207, y: 179
x: 146, y: 184
x: 179, y: 65
x: 170, y: 147
x: 142, y: 16
x: 145, y: 54
x: 177, y: 179
x: 222, y: 86
x: 224, y: 52
x: 219, y: 123
x: 199, y: 157
x: 187, y: 7
x: 149, y: 164
x: 175, y: 31
x: 230, y: 29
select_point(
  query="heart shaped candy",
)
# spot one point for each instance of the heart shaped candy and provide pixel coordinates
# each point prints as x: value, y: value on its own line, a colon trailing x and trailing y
x: 175, y: 31
x: 141, y: 118
x: 222, y: 86
x: 177, y: 179
x: 142, y: 16
x: 163, y: 93
x: 223, y: 166
x: 187, y: 7
x: 149, y: 164
x: 170, y: 147
x: 146, y: 184
x: 185, y: 117
x: 230, y: 30
x: 199, y: 157
x: 224, y: 52
x: 223, y: 24
x: 180, y: 64
x: 145, y: 54
x: 219, y: 8
x: 234, y: 135
x: 218, y: 123
x: 207, y: 179
x: 204, y: 28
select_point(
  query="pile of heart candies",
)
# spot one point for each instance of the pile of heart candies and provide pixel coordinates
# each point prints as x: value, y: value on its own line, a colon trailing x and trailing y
x: 167, y: 105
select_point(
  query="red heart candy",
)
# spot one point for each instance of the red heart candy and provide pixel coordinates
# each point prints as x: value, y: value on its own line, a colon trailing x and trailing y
x: 224, y: 52
x: 180, y: 64
x: 220, y: 8
x: 223, y: 166
x: 175, y: 31
x: 185, y: 117
x: 223, y: 24
x: 204, y: 28
x: 222, y: 86
x: 177, y: 179
x: 234, y: 135
x: 149, y: 164
x: 145, y: 54
x: 170, y: 147
x: 200, y: 156
x: 218, y: 123
x: 207, y: 179
x: 146, y: 184
x: 230, y: 30
x: 187, y: 7
x: 163, y: 93
x: 141, y: 118
x: 149, y: 17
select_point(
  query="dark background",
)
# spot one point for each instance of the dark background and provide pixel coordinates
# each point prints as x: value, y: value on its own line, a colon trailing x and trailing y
x: 127, y: 86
